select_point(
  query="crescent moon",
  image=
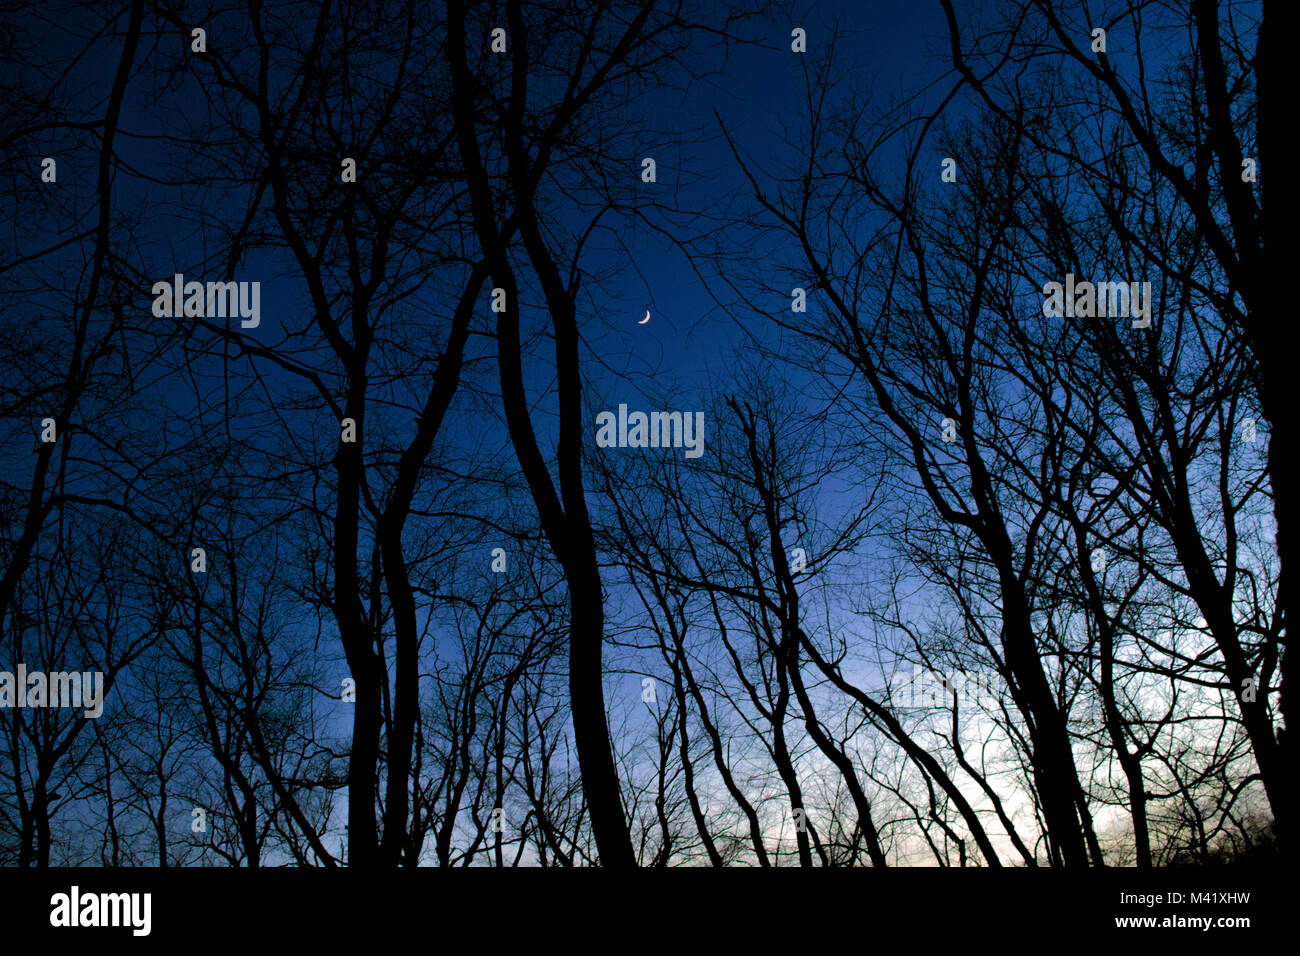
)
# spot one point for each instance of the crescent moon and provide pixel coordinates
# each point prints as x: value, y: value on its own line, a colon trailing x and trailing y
x: 646, y: 319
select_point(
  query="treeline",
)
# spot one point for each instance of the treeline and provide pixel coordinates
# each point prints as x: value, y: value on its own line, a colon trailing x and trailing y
x: 959, y: 579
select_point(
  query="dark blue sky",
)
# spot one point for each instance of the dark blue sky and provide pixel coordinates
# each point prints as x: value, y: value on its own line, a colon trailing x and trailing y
x: 895, y: 49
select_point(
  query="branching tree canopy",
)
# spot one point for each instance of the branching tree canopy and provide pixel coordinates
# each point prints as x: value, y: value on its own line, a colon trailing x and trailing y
x: 934, y: 512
